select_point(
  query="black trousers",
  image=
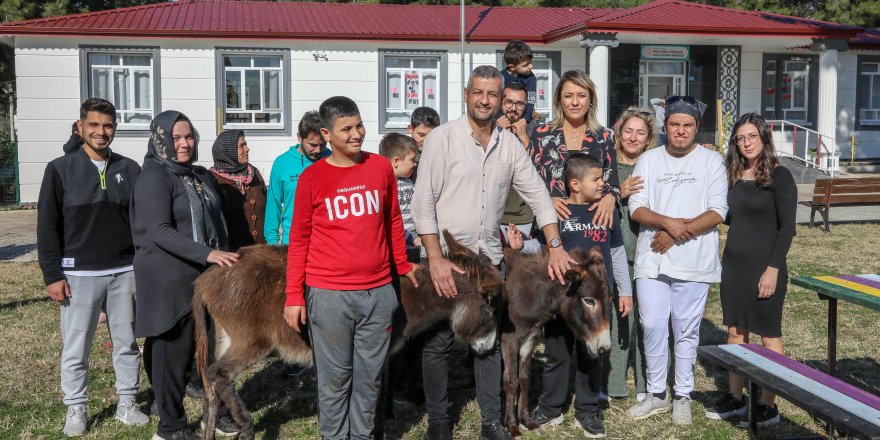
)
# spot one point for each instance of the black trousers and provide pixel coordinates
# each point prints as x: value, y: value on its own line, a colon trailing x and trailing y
x: 558, y: 344
x: 168, y: 360
x: 435, y: 370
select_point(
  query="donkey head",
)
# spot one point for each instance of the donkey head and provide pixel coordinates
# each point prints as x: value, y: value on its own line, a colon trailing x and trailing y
x: 587, y: 303
x: 474, y: 318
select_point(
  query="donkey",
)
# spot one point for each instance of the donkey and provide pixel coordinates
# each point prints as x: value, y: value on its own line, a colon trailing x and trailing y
x: 532, y: 301
x: 245, y: 302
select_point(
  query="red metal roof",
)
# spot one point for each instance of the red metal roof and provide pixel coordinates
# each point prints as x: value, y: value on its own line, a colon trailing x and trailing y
x: 682, y: 17
x: 236, y: 19
x: 868, y: 40
x: 345, y: 21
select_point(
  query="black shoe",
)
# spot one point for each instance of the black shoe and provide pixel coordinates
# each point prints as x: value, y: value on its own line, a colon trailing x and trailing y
x: 438, y: 431
x: 183, y: 434
x: 495, y: 431
x: 194, y: 391
x: 544, y: 420
x: 767, y: 416
x: 726, y: 407
x: 593, y: 426
x: 224, y: 427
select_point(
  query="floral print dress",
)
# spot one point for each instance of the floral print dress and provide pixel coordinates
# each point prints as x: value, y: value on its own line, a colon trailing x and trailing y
x: 549, y: 153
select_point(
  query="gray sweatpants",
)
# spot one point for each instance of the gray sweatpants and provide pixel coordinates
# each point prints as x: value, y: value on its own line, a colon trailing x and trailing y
x: 350, y: 332
x: 79, y: 319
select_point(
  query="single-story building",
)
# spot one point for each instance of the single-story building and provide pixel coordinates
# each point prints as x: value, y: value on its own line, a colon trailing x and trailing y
x: 259, y: 66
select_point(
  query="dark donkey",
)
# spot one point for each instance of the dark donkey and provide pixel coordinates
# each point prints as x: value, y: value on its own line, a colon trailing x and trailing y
x: 246, y: 301
x: 532, y: 301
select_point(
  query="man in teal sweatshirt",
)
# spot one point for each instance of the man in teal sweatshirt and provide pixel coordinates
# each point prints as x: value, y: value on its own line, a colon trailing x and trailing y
x: 285, y: 174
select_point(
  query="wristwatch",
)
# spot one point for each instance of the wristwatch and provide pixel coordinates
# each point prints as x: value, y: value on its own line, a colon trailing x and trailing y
x: 555, y: 242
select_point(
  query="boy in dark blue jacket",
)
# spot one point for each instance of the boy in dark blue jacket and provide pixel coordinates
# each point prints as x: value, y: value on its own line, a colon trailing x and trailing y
x: 518, y: 58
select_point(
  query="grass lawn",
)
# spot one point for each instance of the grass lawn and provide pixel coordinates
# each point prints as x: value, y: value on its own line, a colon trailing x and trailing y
x: 30, y: 396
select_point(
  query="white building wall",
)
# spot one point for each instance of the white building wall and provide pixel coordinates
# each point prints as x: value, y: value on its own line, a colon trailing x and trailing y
x: 48, y: 85
x: 867, y: 141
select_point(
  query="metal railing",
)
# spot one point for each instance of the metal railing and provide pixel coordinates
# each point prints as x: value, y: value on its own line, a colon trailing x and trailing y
x: 805, y: 145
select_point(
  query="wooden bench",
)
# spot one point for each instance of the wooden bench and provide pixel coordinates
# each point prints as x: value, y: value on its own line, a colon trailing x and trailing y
x: 842, y: 192
x: 851, y: 410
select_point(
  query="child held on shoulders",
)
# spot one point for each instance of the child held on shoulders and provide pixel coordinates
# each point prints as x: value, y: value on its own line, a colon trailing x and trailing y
x: 518, y: 58
x: 401, y: 151
x: 339, y: 270
x: 583, y: 174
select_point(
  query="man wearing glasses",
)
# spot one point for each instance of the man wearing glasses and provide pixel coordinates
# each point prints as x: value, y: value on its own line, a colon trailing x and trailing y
x: 683, y: 201
x: 511, y: 118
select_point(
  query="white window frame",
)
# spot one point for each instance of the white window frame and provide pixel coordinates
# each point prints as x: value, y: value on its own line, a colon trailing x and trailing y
x: 281, y: 128
x: 442, y: 84
x: 865, y: 104
x: 793, y: 75
x: 86, y: 83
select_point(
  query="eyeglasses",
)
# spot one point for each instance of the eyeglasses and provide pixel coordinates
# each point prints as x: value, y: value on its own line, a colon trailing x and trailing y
x: 752, y: 138
x: 518, y: 104
x: 676, y: 98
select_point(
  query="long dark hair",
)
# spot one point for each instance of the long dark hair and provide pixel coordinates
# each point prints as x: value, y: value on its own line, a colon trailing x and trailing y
x: 767, y: 160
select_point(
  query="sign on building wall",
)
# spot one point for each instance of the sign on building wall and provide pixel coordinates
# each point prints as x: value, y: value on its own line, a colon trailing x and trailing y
x: 664, y: 52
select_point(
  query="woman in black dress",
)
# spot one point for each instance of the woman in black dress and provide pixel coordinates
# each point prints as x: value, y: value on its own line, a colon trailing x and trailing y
x: 178, y: 231
x: 762, y: 201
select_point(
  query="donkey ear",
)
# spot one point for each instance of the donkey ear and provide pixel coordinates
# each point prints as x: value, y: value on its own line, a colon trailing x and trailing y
x: 574, y: 275
x: 595, y: 256
x: 456, y: 249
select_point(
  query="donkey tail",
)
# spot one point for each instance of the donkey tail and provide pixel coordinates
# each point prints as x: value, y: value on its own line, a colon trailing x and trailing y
x: 201, y: 323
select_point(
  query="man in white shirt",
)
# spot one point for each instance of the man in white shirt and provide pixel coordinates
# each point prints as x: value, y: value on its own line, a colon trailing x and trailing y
x: 684, y: 199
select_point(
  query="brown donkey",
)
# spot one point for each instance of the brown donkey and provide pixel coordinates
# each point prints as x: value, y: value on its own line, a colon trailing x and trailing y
x: 246, y: 301
x: 533, y: 300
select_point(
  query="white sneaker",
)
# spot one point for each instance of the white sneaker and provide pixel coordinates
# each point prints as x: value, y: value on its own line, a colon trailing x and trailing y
x: 640, y: 397
x: 130, y: 414
x: 75, y: 422
x: 650, y: 406
x: 681, y: 411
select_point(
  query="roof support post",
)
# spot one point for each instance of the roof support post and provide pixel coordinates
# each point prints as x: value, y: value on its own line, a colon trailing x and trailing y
x: 827, y: 106
x: 598, y: 45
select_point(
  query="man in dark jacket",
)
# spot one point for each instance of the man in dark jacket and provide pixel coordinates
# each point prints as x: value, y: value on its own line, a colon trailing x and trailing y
x: 85, y: 252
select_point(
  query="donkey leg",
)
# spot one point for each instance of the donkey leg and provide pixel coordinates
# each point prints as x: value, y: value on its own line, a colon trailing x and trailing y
x: 510, y: 356
x: 211, y: 404
x: 525, y: 372
x: 236, y: 359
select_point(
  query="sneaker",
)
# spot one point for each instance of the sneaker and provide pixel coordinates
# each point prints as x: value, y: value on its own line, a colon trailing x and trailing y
x: 494, y: 431
x: 640, y: 397
x: 593, y: 426
x: 183, y: 434
x: 544, y: 420
x: 75, y: 421
x: 130, y: 414
x: 194, y: 390
x: 726, y: 407
x: 681, y: 410
x: 767, y: 416
x: 224, y: 427
x: 650, y: 406
x: 438, y: 431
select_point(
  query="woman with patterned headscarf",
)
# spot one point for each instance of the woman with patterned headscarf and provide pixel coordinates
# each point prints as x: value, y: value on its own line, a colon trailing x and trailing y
x: 178, y: 231
x: 242, y: 189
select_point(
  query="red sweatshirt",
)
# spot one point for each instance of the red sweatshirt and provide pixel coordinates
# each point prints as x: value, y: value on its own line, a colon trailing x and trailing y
x: 346, y: 224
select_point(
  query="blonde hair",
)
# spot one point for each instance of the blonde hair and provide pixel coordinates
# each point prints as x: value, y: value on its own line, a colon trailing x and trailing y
x: 646, y: 116
x: 579, y: 78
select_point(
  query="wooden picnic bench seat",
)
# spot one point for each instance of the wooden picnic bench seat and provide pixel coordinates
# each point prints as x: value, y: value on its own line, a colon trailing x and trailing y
x: 851, y: 410
x: 841, y: 192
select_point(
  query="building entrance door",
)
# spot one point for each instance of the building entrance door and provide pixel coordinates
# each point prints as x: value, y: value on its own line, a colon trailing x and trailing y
x: 659, y: 79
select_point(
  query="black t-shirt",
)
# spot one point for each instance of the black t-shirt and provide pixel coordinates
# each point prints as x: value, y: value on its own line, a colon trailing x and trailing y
x: 579, y: 231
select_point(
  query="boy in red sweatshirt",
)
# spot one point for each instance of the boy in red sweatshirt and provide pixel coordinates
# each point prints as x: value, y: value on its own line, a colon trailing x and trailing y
x: 346, y: 230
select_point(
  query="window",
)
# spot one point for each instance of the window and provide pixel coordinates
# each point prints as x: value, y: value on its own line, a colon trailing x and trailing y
x: 868, y: 93
x: 128, y: 78
x: 252, y: 90
x: 410, y: 81
x: 790, y: 88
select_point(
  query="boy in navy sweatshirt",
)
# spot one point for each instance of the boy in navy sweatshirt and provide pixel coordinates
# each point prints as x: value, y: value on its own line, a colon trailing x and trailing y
x: 345, y: 213
x: 583, y: 174
x: 518, y: 58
